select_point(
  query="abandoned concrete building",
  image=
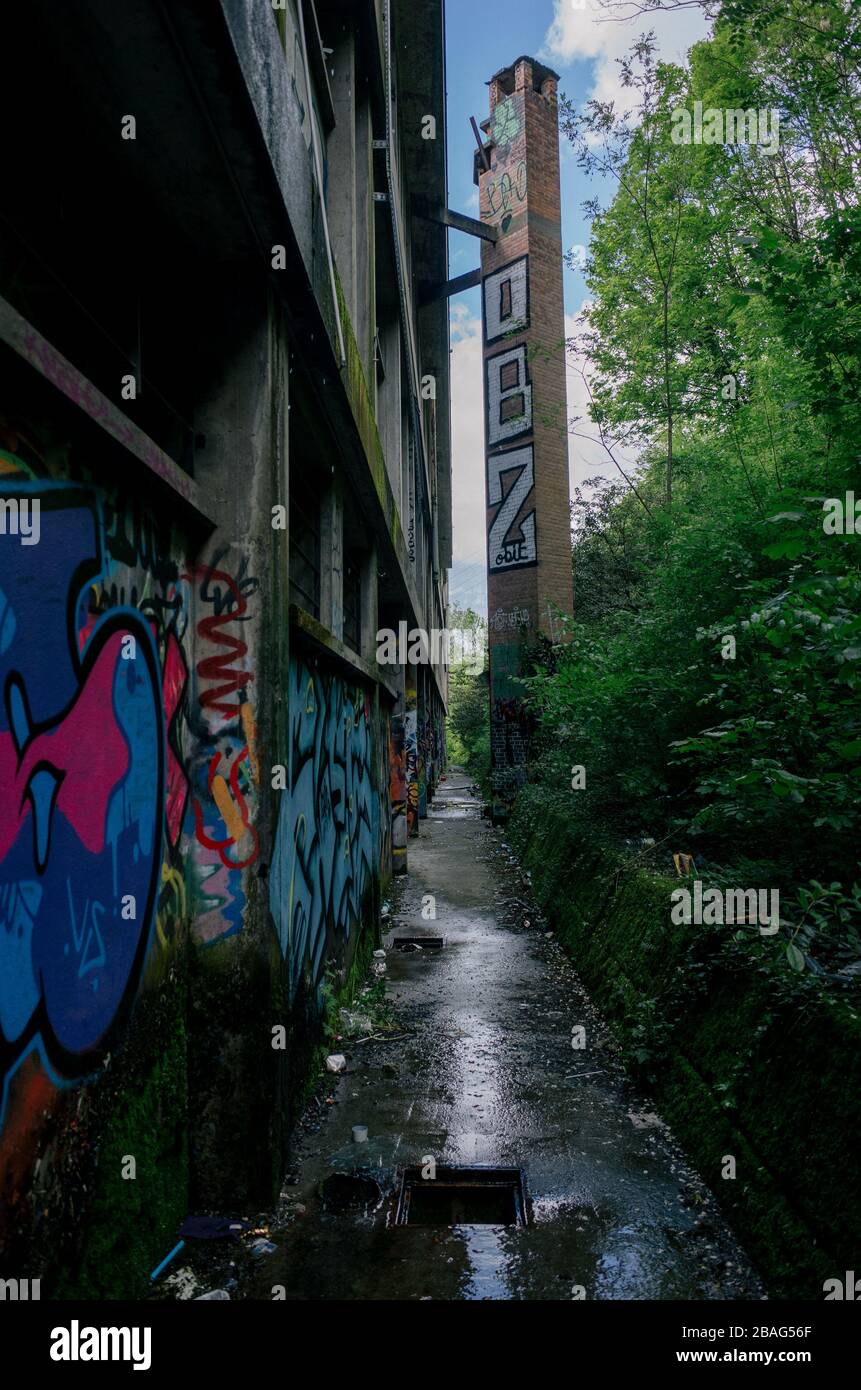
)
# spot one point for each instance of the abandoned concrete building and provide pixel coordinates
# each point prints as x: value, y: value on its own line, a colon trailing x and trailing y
x: 225, y: 363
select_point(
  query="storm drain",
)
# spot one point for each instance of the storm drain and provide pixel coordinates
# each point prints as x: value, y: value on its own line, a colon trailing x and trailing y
x: 425, y: 943
x: 462, y: 1197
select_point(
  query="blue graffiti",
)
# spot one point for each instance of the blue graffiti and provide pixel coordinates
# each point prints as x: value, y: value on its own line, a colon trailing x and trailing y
x: 82, y: 753
x: 325, y: 846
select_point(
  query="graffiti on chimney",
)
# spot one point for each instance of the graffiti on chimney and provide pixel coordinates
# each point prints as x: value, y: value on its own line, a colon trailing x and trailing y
x: 506, y: 191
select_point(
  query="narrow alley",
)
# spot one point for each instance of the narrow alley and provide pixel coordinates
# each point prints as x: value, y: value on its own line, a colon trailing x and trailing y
x: 430, y: 659
x: 481, y: 1071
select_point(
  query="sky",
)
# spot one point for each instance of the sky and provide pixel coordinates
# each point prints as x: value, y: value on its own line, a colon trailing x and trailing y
x: 481, y: 37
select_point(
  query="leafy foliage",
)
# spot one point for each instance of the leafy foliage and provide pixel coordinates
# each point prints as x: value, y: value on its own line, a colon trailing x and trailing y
x: 468, y: 723
x: 709, y: 682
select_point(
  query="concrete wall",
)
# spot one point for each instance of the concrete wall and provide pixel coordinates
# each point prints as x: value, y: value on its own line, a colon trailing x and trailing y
x: 208, y: 782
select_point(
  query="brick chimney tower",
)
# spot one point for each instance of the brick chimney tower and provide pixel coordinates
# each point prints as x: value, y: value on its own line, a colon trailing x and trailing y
x: 525, y: 407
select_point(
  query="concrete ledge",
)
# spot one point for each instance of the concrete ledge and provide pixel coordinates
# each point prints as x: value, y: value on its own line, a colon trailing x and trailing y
x: 29, y: 344
x: 307, y: 629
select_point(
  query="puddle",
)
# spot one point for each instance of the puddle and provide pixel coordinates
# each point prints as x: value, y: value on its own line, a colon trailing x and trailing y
x: 483, y: 1082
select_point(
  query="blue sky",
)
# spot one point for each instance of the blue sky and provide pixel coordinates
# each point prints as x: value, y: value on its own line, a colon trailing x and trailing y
x: 483, y: 36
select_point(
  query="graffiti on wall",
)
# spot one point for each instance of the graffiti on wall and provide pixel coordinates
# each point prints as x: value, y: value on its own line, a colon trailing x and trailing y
x: 398, y: 793
x: 505, y: 301
x: 325, y: 851
x: 85, y: 707
x: 508, y: 397
x: 411, y: 753
x: 382, y: 823
x: 511, y: 539
x: 506, y: 191
x: 224, y: 771
x: 421, y: 765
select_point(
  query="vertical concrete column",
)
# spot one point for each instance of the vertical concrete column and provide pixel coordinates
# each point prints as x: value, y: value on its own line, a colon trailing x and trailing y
x: 236, y: 589
x: 433, y: 724
x: 390, y: 420
x: 332, y: 559
x: 423, y: 728
x: 341, y: 155
x: 365, y: 320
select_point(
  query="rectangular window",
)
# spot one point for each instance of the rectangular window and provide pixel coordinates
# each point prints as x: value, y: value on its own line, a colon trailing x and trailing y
x: 352, y: 602
x: 304, y: 544
x: 505, y: 300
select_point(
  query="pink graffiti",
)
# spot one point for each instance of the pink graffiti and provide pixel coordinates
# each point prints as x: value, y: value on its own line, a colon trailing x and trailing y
x: 174, y: 678
x: 86, y: 781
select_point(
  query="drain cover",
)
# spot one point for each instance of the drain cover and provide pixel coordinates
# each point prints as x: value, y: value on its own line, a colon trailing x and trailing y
x: 462, y: 1197
x: 426, y: 943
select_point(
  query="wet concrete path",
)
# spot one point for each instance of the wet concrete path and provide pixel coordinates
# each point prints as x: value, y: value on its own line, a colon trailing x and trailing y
x: 487, y: 1075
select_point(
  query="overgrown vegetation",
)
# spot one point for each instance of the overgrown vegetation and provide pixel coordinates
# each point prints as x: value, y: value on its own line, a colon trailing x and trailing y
x: 468, y: 723
x: 709, y: 683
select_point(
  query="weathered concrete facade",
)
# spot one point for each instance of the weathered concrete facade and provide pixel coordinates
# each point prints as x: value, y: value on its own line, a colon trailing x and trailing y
x: 526, y: 421
x: 213, y: 360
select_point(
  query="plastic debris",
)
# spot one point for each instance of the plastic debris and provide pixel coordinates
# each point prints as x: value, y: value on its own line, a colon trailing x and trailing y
x: 212, y: 1228
x: 356, y: 1025
x: 337, y: 1062
x: 360, y: 1134
x: 182, y: 1284
x: 262, y: 1247
x: 167, y: 1259
x: 216, y: 1296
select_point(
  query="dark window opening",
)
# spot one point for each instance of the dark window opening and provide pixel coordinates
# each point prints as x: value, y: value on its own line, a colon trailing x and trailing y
x: 505, y: 300
x: 379, y: 359
x: 352, y: 602
x: 304, y: 544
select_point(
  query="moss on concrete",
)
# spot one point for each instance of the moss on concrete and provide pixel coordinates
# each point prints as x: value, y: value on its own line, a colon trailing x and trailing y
x: 745, y: 1059
x: 131, y: 1223
x: 363, y: 411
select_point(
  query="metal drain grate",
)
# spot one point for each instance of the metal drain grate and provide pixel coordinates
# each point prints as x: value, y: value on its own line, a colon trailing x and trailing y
x: 462, y: 1197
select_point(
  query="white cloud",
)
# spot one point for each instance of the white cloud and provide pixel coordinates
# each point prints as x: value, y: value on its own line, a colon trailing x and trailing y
x: 587, y: 457
x: 584, y: 32
x: 467, y: 434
